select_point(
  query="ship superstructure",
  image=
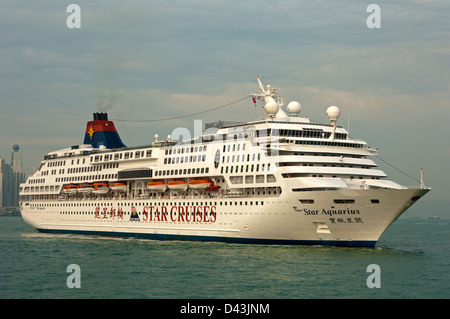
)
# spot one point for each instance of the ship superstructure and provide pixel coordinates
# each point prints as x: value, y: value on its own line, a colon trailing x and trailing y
x: 281, y: 180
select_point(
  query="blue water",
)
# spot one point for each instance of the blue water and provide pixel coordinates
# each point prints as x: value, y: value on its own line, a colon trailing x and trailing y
x: 413, y: 256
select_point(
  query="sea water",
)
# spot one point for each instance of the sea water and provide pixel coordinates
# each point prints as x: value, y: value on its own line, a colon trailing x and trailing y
x: 413, y: 258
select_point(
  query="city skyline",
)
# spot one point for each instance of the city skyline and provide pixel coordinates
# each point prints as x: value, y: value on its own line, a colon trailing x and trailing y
x: 150, y: 61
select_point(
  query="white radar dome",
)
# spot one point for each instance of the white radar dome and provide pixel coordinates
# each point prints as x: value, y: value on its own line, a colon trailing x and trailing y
x: 333, y: 113
x: 281, y: 114
x: 271, y: 107
x: 294, y: 107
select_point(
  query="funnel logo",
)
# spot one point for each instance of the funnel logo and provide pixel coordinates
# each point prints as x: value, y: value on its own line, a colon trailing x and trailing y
x: 91, y: 132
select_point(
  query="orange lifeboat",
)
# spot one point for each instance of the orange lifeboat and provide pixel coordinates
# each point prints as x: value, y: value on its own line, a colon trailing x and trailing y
x: 177, y: 185
x: 86, y: 188
x: 156, y: 186
x: 71, y: 189
x: 100, y: 188
x: 212, y: 188
x: 118, y: 186
x: 200, y: 184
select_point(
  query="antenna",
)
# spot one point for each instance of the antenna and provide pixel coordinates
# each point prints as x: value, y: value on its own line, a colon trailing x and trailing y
x: 422, y: 185
x: 268, y: 92
x: 261, y: 86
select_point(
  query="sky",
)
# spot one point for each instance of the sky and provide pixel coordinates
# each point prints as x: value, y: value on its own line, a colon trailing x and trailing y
x: 152, y: 60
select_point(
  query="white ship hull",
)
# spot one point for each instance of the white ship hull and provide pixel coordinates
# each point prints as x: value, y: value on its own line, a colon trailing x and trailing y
x: 281, y: 220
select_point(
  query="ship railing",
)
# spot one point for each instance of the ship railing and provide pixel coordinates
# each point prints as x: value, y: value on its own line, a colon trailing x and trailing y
x: 247, y: 193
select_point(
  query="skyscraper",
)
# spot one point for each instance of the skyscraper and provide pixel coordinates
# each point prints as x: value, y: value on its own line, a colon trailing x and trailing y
x: 11, y: 175
x: 2, y: 170
x: 16, y: 159
x: 18, y: 176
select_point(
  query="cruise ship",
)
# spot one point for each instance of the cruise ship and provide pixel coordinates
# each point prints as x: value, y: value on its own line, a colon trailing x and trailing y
x: 283, y: 179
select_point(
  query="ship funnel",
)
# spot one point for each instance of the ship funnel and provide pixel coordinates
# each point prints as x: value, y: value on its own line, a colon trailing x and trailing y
x: 100, y: 132
x: 100, y: 116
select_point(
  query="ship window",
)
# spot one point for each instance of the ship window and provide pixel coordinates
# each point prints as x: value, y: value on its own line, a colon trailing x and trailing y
x: 375, y: 201
x: 217, y: 159
x: 344, y: 201
x: 145, y: 173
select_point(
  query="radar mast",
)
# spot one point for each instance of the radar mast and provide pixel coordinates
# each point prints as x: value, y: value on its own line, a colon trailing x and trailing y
x: 274, y: 102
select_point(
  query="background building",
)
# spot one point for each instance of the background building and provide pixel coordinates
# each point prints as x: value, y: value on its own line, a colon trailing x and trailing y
x: 2, y: 169
x: 11, y: 175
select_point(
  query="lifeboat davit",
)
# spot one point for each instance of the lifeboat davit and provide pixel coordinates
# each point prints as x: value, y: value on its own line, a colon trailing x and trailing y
x: 100, y: 188
x: 86, y: 188
x: 71, y: 189
x: 156, y: 186
x: 177, y: 185
x: 200, y: 184
x: 118, y: 186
